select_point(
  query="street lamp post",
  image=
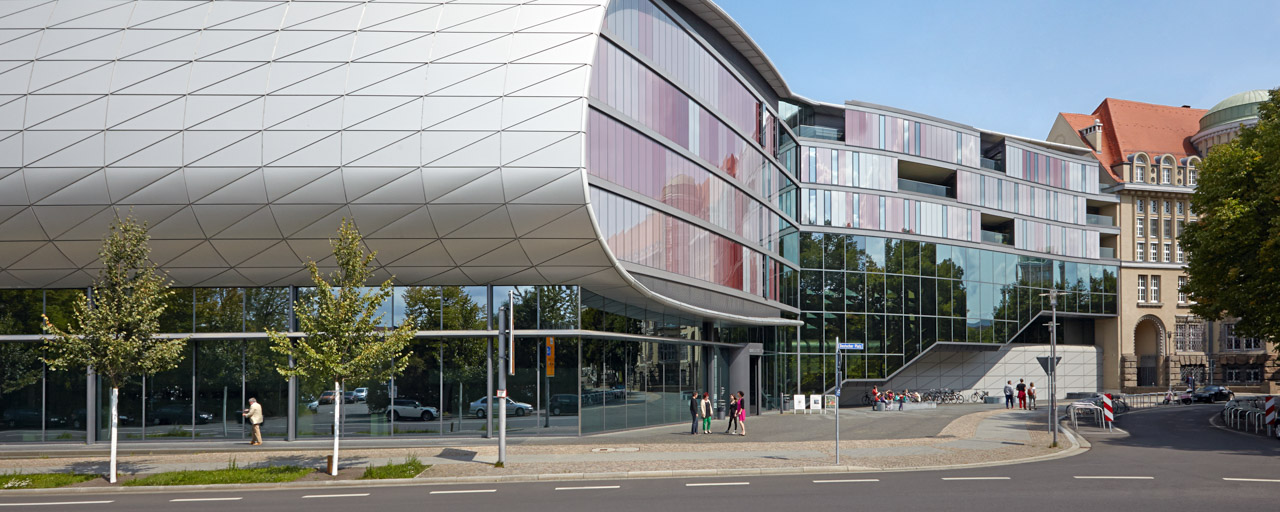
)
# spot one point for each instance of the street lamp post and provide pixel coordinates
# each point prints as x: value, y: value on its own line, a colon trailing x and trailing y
x: 1053, y: 363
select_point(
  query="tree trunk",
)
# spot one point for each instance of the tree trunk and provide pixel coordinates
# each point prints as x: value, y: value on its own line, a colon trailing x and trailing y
x: 337, y: 421
x: 115, y: 418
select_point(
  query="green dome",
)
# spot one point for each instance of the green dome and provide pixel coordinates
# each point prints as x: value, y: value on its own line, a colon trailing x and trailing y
x: 1236, y: 108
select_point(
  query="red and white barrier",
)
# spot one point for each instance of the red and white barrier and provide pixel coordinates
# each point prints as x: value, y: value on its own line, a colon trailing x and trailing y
x: 1108, y: 414
x: 1270, y: 414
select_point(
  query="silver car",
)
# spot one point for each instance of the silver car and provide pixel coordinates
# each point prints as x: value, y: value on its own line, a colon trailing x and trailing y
x: 514, y: 408
x: 404, y: 408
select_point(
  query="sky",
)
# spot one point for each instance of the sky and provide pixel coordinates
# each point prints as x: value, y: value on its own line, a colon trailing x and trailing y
x: 1011, y: 66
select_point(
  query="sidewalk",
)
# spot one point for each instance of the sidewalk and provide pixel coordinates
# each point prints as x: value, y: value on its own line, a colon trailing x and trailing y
x: 959, y: 436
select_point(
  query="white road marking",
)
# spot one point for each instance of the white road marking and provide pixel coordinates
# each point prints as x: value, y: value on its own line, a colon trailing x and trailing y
x: 845, y: 481
x: 465, y: 491
x: 710, y: 484
x: 360, y: 495
x: 1252, y: 480
x: 57, y: 503
x: 206, y: 499
x: 1114, y: 477
x: 588, y: 488
x: 976, y: 478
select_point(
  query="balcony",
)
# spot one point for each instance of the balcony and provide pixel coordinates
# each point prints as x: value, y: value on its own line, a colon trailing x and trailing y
x: 1100, y: 220
x: 820, y: 132
x: 993, y: 237
x: 920, y: 187
x: 1107, y: 253
x: 995, y: 165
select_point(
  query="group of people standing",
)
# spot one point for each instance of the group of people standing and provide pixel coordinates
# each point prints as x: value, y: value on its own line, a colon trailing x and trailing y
x: 888, y: 397
x: 1026, y: 395
x: 702, y: 411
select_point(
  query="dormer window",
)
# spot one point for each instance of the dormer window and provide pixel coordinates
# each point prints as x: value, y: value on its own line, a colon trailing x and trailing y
x: 1166, y: 171
x: 1140, y: 169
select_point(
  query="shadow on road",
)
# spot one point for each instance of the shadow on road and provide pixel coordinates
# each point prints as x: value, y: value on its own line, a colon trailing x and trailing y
x: 1187, y: 429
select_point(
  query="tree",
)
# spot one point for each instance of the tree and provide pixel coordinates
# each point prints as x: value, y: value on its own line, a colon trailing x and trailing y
x: 113, y: 328
x: 1234, y: 265
x: 344, y: 337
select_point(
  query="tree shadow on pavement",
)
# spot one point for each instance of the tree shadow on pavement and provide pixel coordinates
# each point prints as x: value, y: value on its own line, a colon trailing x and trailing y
x: 1187, y: 429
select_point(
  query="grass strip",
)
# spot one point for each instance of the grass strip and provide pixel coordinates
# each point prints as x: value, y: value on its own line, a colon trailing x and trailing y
x: 42, y: 480
x: 409, y: 469
x: 230, y: 475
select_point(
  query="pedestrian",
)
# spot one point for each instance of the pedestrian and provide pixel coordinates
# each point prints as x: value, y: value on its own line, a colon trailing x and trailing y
x: 254, y: 415
x: 1008, y: 394
x: 1031, y: 396
x: 706, y: 413
x: 742, y: 413
x: 733, y: 414
x: 1022, y: 394
x: 902, y: 399
x: 695, y: 410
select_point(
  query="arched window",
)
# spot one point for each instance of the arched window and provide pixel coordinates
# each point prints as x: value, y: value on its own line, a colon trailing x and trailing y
x: 1191, y: 172
x: 1140, y: 169
x: 1166, y: 170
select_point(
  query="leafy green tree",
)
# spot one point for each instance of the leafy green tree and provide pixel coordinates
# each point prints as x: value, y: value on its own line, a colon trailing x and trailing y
x: 113, y: 329
x: 1234, y: 265
x: 344, y: 338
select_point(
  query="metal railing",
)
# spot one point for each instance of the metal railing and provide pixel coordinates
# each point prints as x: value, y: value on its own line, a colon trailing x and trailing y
x: 1247, y: 415
x: 820, y: 132
x: 993, y: 237
x: 1099, y: 220
x: 919, y: 187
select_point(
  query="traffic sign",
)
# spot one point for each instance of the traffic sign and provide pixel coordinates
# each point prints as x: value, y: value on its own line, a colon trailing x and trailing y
x: 1044, y: 363
x: 502, y: 393
x: 850, y: 346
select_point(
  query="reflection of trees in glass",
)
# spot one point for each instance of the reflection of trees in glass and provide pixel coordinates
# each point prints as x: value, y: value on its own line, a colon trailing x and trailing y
x: 218, y: 309
x: 59, y: 305
x: 19, y: 366
x: 266, y: 308
x: 21, y: 312
x: 558, y: 307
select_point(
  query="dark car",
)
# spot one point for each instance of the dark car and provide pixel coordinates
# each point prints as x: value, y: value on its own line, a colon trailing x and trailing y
x: 1212, y: 394
x: 563, y: 404
x: 21, y: 417
x: 177, y: 414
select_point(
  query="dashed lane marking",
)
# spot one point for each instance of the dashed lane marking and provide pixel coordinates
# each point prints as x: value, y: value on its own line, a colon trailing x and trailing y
x: 1266, y: 480
x: 846, y: 481
x: 588, y: 488
x: 179, y: 500
x: 56, y: 503
x: 976, y: 478
x: 464, y: 491
x: 712, y: 484
x: 357, y: 495
x: 1114, y: 477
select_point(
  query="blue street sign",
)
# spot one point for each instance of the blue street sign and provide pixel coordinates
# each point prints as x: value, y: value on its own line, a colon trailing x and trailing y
x: 837, y: 392
x: 850, y: 346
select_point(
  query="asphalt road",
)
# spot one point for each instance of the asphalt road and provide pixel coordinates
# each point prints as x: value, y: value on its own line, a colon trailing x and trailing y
x: 1172, y: 460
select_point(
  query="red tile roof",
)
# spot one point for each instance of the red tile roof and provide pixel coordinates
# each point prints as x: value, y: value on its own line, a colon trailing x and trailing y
x: 1130, y: 127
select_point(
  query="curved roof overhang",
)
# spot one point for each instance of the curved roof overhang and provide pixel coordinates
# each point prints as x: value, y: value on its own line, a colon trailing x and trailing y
x: 714, y: 16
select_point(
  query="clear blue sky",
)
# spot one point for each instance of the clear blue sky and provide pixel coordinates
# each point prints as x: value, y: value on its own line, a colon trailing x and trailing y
x: 1011, y: 66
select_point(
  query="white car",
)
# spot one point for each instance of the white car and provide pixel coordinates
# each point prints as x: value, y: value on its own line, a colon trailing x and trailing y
x: 514, y: 408
x: 361, y: 394
x: 406, y: 409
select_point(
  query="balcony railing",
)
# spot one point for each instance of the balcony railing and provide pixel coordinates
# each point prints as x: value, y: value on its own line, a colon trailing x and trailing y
x: 919, y: 187
x: 820, y: 132
x: 1100, y: 220
x: 993, y: 237
x: 1107, y: 253
x: 995, y: 165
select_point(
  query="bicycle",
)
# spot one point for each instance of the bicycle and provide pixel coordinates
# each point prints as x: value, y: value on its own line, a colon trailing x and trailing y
x: 980, y: 396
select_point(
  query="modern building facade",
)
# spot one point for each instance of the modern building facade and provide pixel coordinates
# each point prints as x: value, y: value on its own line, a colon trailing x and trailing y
x: 1152, y: 154
x: 670, y: 217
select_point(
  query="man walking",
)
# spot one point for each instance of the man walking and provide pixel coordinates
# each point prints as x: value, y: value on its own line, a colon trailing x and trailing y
x: 695, y: 410
x: 254, y: 415
x: 1008, y: 394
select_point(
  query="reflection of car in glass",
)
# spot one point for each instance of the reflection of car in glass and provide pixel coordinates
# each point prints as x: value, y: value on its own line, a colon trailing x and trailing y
x: 314, y: 406
x: 1212, y: 394
x: 326, y: 398
x: 349, y: 397
x: 513, y: 407
x: 179, y: 414
x: 360, y: 394
x: 20, y: 417
x: 563, y: 404
x: 404, y: 408
x: 76, y: 419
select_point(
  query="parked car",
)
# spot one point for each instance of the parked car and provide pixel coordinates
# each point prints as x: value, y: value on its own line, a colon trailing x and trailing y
x: 21, y: 417
x: 513, y: 407
x: 563, y: 404
x: 1212, y: 394
x: 313, y: 406
x: 361, y: 394
x: 348, y: 397
x: 177, y: 414
x: 405, y: 408
x: 326, y: 398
